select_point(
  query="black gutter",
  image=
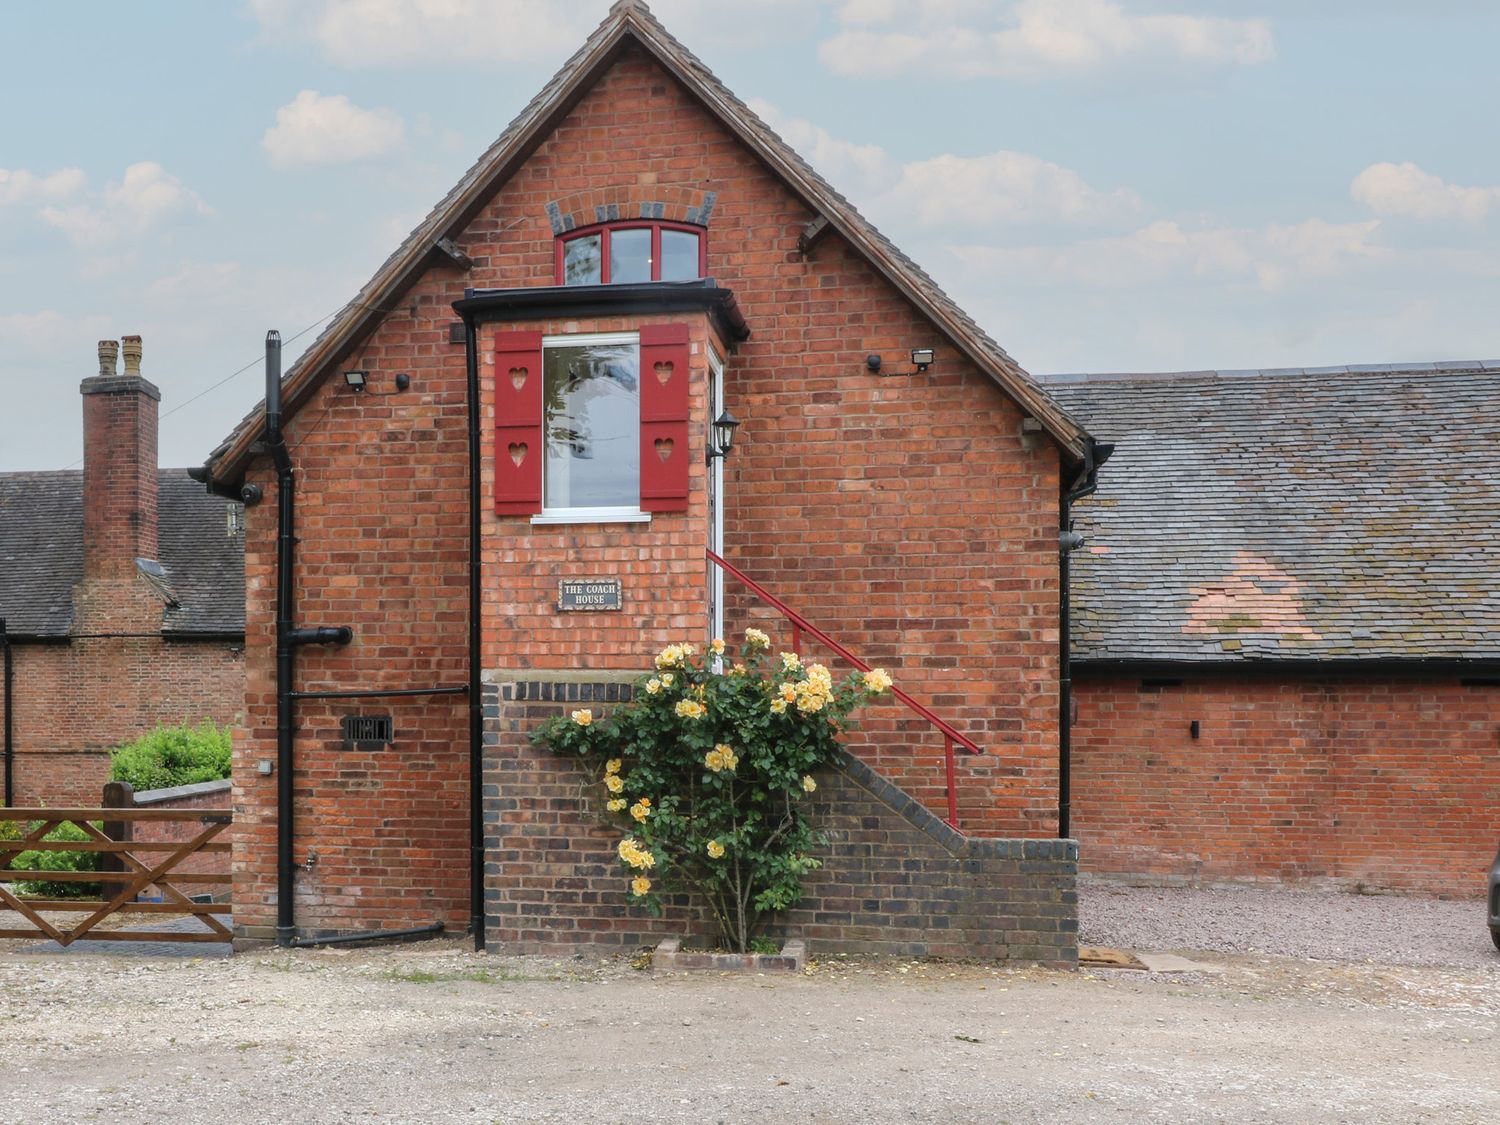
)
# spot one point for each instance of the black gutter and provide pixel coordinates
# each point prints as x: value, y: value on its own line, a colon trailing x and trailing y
x: 476, y: 698
x: 10, y: 730
x: 204, y: 476
x: 288, y: 638
x: 1419, y: 666
x: 1094, y: 455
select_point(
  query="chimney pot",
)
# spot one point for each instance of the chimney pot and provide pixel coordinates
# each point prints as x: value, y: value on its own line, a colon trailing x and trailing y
x: 109, y: 351
x: 131, y: 346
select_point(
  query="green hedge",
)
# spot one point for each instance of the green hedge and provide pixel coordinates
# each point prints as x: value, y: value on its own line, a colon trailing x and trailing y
x: 38, y: 859
x: 170, y: 756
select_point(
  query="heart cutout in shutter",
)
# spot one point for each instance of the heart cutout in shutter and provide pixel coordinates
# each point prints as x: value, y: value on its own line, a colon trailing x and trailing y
x: 518, y: 452
x: 518, y: 377
x: 664, y: 447
x: 664, y: 372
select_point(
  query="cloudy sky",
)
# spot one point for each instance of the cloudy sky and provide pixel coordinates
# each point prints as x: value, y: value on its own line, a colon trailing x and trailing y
x: 1104, y: 184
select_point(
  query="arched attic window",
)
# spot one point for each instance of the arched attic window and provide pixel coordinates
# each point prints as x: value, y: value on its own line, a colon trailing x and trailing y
x: 632, y: 250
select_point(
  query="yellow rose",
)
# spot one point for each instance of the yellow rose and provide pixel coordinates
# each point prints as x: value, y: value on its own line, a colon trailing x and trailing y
x: 640, y: 811
x: 717, y: 646
x: 646, y: 801
x: 612, y: 766
x: 756, y: 639
x: 616, y: 804
x: 668, y: 680
x: 778, y: 706
x: 739, y: 669
x: 640, y: 885
x: 877, y: 680
x: 691, y: 709
x: 790, y: 660
x: 715, y: 850
x: 653, y: 686
x: 809, y: 785
x: 789, y: 692
x: 584, y: 717
x: 613, y: 783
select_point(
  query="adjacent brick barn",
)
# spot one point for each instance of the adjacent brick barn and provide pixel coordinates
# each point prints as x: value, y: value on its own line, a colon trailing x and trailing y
x: 635, y: 256
x: 122, y: 597
x: 1286, y: 627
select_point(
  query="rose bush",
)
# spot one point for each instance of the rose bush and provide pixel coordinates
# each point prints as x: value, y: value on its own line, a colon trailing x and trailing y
x: 707, y: 769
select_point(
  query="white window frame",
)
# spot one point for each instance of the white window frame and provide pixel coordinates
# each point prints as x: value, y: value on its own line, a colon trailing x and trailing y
x: 624, y: 513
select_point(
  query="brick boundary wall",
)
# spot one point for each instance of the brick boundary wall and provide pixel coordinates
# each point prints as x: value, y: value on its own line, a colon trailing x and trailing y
x: 212, y: 796
x: 895, y: 879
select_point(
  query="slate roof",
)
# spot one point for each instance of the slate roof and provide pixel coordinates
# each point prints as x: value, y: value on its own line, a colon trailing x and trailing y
x: 41, y: 555
x: 631, y: 21
x: 1302, y: 514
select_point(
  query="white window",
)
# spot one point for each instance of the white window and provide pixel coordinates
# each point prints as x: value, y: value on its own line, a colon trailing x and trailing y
x: 591, y: 422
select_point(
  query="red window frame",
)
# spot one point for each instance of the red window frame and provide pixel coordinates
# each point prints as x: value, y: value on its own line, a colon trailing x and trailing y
x: 655, y: 226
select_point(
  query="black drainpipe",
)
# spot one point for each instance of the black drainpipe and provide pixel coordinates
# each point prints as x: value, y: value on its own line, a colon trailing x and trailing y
x: 1094, y: 455
x: 288, y: 637
x: 476, y: 701
x: 10, y: 729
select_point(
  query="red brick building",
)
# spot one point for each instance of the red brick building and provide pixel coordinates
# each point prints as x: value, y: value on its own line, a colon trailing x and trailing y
x: 122, y: 596
x: 634, y: 256
x: 1286, y: 627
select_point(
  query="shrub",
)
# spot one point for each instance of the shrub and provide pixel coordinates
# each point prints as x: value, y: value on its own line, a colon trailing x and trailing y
x: 708, y: 769
x: 38, y: 859
x: 171, y: 756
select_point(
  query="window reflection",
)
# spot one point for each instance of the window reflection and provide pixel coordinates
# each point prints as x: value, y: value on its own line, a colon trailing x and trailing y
x: 591, y: 418
x: 582, y: 260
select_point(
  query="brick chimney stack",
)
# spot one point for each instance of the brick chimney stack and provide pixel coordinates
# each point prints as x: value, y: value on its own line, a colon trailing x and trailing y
x: 119, y: 464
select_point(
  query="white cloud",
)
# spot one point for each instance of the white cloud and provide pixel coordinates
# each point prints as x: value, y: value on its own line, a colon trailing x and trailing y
x: 1164, y: 251
x: 375, y: 33
x: 316, y: 128
x: 1001, y: 187
x: 145, y: 197
x: 1032, y: 39
x: 994, y: 189
x: 1406, y: 190
x: 21, y: 186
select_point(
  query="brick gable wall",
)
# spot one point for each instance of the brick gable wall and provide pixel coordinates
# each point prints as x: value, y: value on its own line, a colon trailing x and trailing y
x: 908, y: 515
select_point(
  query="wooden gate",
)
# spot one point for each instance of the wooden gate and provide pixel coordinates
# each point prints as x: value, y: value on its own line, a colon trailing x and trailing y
x: 137, y: 865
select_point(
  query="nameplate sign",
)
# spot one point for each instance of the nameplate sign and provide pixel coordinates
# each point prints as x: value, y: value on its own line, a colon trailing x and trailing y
x: 588, y: 594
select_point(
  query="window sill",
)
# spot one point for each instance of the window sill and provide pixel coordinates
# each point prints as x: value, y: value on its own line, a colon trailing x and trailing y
x: 589, y: 515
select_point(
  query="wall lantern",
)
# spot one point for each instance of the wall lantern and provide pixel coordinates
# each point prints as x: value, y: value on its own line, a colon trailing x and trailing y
x: 921, y: 358
x: 356, y: 380
x: 723, y: 435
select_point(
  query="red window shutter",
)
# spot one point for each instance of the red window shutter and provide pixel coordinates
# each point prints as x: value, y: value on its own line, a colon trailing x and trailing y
x: 665, y: 451
x: 519, y: 447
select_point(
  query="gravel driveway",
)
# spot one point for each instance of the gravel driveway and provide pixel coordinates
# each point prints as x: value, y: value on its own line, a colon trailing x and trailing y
x: 1393, y: 929
x: 433, y: 1033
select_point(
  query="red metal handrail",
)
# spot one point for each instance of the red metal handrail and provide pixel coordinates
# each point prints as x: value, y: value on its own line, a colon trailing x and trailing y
x: 800, y: 625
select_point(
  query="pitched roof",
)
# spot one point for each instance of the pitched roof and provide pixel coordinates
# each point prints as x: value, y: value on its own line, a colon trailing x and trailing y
x: 630, y: 21
x: 1302, y: 514
x: 41, y: 555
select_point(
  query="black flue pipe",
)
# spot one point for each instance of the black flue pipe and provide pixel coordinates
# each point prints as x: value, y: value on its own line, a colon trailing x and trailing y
x: 285, y: 556
x: 1095, y: 453
x: 476, y: 701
